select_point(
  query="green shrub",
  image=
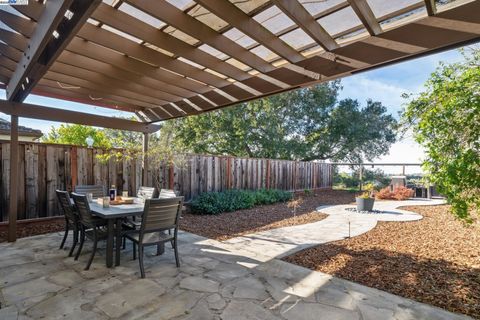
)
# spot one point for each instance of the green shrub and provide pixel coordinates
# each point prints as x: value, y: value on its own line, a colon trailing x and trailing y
x: 232, y: 200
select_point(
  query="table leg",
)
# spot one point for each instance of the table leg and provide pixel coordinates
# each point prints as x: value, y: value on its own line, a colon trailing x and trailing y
x: 118, y: 240
x: 110, y: 231
x: 160, y: 249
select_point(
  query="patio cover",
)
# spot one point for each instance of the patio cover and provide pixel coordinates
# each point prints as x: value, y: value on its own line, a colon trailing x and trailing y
x: 167, y: 59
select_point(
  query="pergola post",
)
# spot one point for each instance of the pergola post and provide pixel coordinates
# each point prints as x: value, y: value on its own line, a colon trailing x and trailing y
x: 12, y: 212
x: 145, y: 159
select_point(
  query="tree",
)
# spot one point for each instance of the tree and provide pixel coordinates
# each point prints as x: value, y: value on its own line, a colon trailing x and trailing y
x: 104, y: 138
x: 305, y: 124
x: 445, y: 119
x: 77, y: 134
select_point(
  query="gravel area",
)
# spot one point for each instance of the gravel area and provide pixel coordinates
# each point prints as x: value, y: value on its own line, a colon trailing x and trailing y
x: 33, y: 228
x: 233, y: 224
x: 435, y: 260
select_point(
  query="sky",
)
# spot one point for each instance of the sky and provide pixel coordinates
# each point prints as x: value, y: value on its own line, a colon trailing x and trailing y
x: 385, y: 84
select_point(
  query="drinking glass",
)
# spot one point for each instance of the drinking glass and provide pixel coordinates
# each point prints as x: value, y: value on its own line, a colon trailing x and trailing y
x: 106, y: 202
x: 125, y: 194
x: 89, y: 196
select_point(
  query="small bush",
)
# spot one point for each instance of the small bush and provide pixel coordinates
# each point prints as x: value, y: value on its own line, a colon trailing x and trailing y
x: 308, y: 192
x: 384, y: 193
x: 232, y: 200
x: 400, y: 193
x: 403, y: 193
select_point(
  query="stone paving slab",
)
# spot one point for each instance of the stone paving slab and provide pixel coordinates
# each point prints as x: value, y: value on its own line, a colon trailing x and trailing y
x: 215, y: 281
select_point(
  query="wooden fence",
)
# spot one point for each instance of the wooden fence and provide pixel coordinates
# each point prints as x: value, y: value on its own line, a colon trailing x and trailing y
x: 46, y: 167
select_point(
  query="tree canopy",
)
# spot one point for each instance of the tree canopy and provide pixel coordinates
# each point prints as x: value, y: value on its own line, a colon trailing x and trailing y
x: 77, y: 134
x: 305, y: 124
x: 445, y: 119
x: 102, y: 138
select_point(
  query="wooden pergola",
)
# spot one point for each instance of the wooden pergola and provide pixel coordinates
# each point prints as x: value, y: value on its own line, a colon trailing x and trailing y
x: 167, y: 59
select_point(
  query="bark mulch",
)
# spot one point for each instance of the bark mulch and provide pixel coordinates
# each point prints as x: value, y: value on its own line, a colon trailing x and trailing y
x: 233, y: 224
x: 435, y: 260
x: 33, y: 228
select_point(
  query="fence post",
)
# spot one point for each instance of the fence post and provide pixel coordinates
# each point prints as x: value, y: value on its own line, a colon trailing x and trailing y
x: 14, y: 159
x: 267, y: 182
x: 171, y: 176
x: 229, y: 173
x: 73, y: 166
x: 295, y: 177
x: 145, y: 160
x: 361, y: 177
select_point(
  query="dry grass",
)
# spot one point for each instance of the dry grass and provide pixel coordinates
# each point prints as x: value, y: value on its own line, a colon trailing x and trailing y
x: 435, y: 260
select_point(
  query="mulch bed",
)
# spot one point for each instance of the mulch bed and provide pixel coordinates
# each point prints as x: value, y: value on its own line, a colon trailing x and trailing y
x: 33, y: 228
x: 435, y: 260
x: 233, y: 224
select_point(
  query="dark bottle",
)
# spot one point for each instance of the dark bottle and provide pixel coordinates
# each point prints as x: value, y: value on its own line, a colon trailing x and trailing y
x: 112, y: 193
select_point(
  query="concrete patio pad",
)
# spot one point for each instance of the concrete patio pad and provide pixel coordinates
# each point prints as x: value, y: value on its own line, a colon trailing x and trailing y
x: 215, y: 281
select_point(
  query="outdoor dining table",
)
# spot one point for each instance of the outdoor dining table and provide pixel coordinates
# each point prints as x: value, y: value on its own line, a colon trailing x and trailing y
x: 115, y: 215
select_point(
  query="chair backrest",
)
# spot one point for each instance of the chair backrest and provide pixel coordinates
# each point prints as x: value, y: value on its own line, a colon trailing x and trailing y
x: 83, y: 209
x: 146, y: 192
x: 161, y: 214
x: 67, y: 205
x: 97, y: 191
x: 167, y: 193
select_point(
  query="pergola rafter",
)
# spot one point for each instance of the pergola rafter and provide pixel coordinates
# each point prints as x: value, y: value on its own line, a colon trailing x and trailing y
x: 431, y: 7
x: 295, y: 11
x: 365, y: 14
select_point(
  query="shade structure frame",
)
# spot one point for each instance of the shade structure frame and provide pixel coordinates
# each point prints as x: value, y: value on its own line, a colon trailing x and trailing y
x: 169, y: 85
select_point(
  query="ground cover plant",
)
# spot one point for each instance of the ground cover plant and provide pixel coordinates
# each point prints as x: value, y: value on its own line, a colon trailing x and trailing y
x: 232, y: 200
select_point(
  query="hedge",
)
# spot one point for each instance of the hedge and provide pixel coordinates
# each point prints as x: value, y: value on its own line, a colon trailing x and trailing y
x: 232, y: 200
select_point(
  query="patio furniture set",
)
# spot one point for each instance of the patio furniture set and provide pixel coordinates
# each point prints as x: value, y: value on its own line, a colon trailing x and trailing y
x: 146, y: 221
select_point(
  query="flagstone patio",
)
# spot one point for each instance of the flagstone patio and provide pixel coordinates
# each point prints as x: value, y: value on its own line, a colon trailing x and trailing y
x: 215, y: 281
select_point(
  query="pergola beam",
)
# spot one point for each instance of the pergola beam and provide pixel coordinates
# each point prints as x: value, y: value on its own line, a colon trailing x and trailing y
x: 365, y: 14
x: 431, y: 7
x: 44, y: 47
x: 240, y: 20
x: 297, y: 12
x: 33, y: 111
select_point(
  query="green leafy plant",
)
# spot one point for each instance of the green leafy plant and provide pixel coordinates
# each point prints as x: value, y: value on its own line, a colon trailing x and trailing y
x: 307, y: 192
x: 232, y: 200
x: 445, y: 120
x: 369, y: 189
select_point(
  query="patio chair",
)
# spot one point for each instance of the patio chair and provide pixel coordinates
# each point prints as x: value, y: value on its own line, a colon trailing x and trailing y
x: 135, y: 222
x: 71, y: 219
x: 159, y: 215
x: 167, y: 193
x: 90, y: 226
x: 146, y: 192
x: 97, y: 191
